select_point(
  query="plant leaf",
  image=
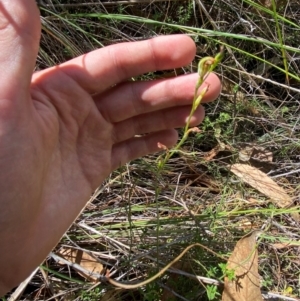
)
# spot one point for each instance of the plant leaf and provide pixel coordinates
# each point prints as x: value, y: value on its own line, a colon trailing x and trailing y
x: 244, y: 261
x: 260, y: 181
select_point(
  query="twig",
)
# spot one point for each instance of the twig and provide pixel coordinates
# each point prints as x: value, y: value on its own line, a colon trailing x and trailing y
x: 112, y: 241
x: 289, y: 233
x: 286, y: 174
x: 268, y: 295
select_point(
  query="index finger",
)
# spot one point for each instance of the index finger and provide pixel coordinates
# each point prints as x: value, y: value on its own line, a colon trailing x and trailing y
x: 99, y: 70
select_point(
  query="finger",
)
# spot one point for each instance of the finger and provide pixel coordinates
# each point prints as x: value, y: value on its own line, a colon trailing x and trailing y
x: 156, y: 122
x: 134, y: 98
x: 19, y: 42
x: 101, y: 69
x: 140, y: 146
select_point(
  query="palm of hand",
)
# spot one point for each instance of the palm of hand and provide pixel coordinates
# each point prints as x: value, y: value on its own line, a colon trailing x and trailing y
x: 75, y: 136
x: 93, y: 133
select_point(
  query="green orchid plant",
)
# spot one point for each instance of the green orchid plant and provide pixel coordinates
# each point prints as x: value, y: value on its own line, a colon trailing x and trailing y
x: 205, y: 66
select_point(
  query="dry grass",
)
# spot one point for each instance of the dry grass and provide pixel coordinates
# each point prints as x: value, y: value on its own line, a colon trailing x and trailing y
x: 140, y: 218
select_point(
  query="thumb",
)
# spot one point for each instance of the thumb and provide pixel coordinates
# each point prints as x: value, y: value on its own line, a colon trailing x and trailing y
x: 19, y: 43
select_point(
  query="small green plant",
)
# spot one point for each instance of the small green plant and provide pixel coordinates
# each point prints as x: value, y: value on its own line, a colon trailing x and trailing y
x: 220, y: 272
x: 212, y: 272
x: 267, y: 281
x: 229, y: 273
x: 212, y: 292
x: 184, y: 13
x: 92, y: 295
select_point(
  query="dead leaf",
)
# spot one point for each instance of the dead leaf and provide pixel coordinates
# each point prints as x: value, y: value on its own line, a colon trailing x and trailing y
x: 245, y: 153
x: 194, y: 130
x: 255, y: 152
x: 260, y: 181
x: 212, y: 153
x: 215, y: 151
x: 262, y: 154
x: 83, y: 259
x: 244, y: 261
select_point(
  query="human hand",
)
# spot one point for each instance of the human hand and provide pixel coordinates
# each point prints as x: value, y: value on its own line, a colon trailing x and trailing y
x: 64, y: 129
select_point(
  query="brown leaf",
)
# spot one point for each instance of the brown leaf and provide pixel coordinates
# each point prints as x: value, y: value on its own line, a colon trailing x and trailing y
x: 245, y: 153
x: 212, y: 153
x: 256, y: 152
x: 244, y: 261
x: 88, y: 263
x: 262, y: 154
x: 260, y: 181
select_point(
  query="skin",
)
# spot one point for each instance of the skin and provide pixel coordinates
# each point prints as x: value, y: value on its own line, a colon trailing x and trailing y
x: 63, y: 130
